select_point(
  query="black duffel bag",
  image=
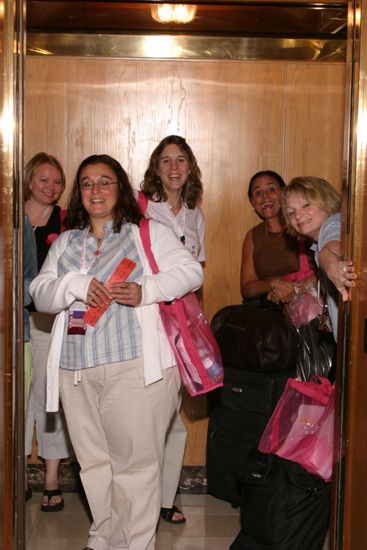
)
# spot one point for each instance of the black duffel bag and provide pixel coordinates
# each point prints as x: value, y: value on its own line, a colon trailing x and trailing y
x: 255, y: 336
x: 283, y: 507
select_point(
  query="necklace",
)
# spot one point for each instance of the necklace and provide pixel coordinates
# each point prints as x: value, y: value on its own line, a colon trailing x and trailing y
x: 42, y: 217
x: 273, y: 236
x: 176, y: 208
x: 178, y: 220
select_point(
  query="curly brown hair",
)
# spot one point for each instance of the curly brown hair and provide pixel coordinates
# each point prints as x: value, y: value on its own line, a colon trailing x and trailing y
x: 34, y: 164
x: 126, y: 209
x: 152, y: 186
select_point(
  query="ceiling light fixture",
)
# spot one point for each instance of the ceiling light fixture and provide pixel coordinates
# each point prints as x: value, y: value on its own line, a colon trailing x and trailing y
x: 173, y: 13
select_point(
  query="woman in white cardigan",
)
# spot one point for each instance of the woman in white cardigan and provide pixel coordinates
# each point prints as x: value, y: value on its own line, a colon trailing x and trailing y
x: 109, y: 353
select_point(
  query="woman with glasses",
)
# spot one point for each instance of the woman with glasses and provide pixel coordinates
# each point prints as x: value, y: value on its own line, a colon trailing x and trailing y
x: 118, y: 377
x: 44, y: 185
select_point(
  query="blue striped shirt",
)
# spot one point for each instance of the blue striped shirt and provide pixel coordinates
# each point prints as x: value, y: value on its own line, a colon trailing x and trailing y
x: 116, y: 336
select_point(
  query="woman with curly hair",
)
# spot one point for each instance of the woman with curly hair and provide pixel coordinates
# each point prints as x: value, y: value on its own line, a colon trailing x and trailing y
x: 172, y: 184
x: 171, y: 192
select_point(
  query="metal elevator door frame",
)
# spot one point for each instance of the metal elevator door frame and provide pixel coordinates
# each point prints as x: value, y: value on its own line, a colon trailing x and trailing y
x: 349, y: 527
x: 12, y: 516
x: 350, y: 486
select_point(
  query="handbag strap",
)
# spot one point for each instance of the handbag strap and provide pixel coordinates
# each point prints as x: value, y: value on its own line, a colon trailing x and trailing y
x: 321, y: 390
x: 142, y: 202
x: 145, y: 239
x: 305, y: 269
x: 303, y: 259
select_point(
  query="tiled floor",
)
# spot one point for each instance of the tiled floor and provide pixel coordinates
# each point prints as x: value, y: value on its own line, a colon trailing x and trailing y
x: 212, y: 524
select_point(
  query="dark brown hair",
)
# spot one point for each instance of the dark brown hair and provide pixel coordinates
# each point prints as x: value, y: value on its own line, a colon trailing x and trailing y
x: 126, y: 209
x: 152, y: 185
x: 274, y: 175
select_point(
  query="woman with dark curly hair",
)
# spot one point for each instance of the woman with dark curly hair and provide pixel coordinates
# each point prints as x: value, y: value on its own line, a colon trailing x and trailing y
x: 172, y: 184
x: 109, y: 353
x: 172, y: 190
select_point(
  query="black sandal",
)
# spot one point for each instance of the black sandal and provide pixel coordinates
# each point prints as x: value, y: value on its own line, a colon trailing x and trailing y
x: 49, y: 493
x: 168, y: 513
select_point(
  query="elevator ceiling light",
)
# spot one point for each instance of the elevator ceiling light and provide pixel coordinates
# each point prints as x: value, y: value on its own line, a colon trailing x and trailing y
x: 173, y: 13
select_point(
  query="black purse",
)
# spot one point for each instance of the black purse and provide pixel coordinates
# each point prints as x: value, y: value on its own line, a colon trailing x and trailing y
x: 256, y: 336
x: 317, y: 351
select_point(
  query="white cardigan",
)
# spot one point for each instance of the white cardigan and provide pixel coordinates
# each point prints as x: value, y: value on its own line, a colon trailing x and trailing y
x: 179, y: 273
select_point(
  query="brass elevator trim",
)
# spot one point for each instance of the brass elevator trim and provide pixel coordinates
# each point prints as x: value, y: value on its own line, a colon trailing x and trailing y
x: 185, y: 47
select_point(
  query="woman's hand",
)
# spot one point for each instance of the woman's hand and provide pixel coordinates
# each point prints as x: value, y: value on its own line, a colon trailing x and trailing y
x: 343, y: 276
x: 281, y: 292
x: 127, y: 294
x: 340, y: 272
x: 98, y: 294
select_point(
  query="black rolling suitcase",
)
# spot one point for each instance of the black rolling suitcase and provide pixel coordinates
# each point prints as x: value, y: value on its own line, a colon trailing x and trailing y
x: 259, y: 350
x: 240, y: 412
x: 283, y: 507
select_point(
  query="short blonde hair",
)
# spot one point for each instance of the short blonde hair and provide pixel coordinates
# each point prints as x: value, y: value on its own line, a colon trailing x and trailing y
x: 316, y: 190
x: 34, y: 164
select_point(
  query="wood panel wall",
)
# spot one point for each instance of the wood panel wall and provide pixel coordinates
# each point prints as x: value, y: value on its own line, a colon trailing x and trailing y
x: 238, y: 116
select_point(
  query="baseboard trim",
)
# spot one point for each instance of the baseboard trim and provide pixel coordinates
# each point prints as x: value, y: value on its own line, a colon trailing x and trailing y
x: 192, y: 481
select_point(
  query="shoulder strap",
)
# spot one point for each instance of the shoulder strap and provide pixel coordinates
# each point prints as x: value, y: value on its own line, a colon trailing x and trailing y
x: 63, y: 213
x: 304, y: 264
x: 142, y: 202
x: 145, y: 239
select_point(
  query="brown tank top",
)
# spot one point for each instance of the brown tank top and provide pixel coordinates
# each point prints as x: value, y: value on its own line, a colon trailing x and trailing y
x: 276, y: 255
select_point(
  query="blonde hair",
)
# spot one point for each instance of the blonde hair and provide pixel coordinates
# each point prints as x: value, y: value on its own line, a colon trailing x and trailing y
x: 316, y: 190
x: 34, y: 164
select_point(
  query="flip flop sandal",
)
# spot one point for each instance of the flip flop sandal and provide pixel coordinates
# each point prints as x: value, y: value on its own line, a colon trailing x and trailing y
x: 52, y: 507
x: 168, y: 513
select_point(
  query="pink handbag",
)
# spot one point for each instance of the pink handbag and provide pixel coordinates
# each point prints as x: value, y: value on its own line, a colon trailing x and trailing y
x: 307, y: 305
x: 304, y: 265
x: 301, y: 428
x: 196, y: 351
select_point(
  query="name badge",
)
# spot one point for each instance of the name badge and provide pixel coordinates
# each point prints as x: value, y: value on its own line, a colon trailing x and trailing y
x: 76, y: 322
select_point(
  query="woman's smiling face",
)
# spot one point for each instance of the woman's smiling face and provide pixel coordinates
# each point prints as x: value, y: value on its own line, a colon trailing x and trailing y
x: 46, y: 185
x: 304, y: 216
x: 173, y: 168
x: 99, y: 202
x: 265, y: 197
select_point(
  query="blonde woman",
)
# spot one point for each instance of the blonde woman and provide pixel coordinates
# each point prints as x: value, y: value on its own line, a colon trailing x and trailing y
x: 44, y: 185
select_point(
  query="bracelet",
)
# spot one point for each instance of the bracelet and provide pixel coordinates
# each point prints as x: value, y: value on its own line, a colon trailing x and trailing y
x: 274, y: 285
x: 296, y: 290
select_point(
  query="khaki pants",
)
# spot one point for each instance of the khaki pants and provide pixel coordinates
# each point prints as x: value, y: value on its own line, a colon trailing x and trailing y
x: 51, y: 434
x: 173, y: 457
x: 118, y: 428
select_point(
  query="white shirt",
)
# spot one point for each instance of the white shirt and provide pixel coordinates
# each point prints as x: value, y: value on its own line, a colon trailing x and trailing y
x: 188, y: 223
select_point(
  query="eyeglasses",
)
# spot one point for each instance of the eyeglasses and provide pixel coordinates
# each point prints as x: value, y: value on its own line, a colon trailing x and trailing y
x: 104, y: 184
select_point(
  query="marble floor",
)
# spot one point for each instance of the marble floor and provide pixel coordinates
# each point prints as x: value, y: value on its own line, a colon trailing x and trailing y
x: 212, y: 524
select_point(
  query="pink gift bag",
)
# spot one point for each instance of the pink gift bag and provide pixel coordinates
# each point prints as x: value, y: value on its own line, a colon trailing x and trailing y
x: 197, y: 353
x: 301, y: 428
